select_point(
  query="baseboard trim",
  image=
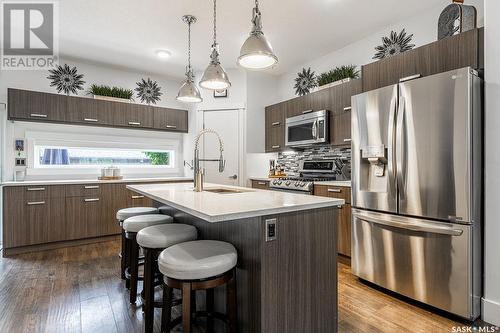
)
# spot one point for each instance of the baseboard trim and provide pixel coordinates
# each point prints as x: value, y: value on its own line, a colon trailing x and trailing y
x: 491, y: 312
x: 57, y: 245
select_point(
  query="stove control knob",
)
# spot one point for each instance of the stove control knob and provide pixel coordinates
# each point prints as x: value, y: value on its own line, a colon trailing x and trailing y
x: 297, y: 184
x: 288, y: 183
x: 275, y: 182
x: 278, y: 182
x: 302, y: 184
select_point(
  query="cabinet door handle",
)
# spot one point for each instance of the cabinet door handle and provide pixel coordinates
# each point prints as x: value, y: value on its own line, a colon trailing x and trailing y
x: 409, y: 78
x: 137, y: 197
x: 91, y: 187
x: 262, y: 183
x: 275, y: 147
x: 334, y: 190
x: 91, y: 120
x: 135, y: 123
x: 171, y: 126
x: 38, y: 115
x: 307, y: 111
x: 348, y: 108
x: 277, y: 123
x: 35, y: 203
x: 91, y: 200
x: 33, y: 189
x: 347, y: 140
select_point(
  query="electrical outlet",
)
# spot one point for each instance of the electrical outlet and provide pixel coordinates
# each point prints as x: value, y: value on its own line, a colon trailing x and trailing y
x: 20, y: 162
x: 271, y: 230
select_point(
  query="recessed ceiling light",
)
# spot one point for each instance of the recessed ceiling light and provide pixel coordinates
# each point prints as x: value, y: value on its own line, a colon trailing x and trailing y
x: 163, y: 54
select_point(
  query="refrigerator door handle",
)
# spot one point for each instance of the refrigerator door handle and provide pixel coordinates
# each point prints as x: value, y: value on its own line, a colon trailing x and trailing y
x: 391, y: 167
x: 396, y: 223
x: 400, y: 148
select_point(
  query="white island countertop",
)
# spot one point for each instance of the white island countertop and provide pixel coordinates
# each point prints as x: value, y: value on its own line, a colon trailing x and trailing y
x: 217, y: 207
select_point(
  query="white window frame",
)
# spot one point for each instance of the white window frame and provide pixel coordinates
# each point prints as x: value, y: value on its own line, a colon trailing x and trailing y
x: 101, y: 141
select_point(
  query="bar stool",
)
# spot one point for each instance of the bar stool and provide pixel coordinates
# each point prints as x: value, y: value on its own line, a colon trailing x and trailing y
x: 132, y: 226
x: 121, y: 216
x: 199, y: 265
x: 153, y: 240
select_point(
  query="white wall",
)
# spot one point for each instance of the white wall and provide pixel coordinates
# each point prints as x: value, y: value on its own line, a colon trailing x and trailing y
x: 94, y: 73
x: 422, y: 25
x: 491, y: 301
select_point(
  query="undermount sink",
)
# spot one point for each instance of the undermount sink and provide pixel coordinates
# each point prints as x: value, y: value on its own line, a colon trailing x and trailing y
x: 223, y: 190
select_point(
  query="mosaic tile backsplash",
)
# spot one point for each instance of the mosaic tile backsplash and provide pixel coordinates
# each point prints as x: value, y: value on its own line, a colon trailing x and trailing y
x: 290, y: 161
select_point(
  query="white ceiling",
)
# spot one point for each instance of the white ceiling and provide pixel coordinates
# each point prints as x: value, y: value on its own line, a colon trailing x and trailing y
x: 126, y: 33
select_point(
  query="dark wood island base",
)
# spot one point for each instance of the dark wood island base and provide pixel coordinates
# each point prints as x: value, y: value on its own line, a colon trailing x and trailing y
x: 288, y: 284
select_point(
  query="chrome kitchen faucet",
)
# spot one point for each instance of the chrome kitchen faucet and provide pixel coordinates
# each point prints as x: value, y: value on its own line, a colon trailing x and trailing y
x: 198, y: 173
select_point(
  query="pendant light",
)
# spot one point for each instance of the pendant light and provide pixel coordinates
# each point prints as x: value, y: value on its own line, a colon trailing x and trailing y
x: 189, y: 93
x: 257, y: 53
x: 215, y: 77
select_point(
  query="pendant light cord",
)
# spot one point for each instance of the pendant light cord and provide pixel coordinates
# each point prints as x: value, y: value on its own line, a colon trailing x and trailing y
x: 189, y: 45
x: 215, y: 23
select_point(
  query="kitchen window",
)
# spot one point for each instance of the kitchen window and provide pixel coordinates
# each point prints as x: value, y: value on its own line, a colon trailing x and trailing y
x: 88, y: 157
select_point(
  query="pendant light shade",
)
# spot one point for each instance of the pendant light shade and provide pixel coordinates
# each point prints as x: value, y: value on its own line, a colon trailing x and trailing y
x: 257, y: 53
x: 189, y: 92
x: 215, y: 77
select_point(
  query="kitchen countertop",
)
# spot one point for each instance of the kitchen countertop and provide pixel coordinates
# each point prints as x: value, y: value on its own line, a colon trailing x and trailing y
x: 94, y: 181
x: 216, y: 207
x: 342, y: 183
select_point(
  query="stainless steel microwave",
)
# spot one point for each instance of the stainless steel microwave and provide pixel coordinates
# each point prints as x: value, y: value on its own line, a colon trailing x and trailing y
x: 307, y: 129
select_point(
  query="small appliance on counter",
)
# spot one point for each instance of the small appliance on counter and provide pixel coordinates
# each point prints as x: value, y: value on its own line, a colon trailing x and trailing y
x: 111, y: 173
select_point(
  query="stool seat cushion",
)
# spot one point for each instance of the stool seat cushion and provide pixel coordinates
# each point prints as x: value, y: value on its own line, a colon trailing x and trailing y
x: 165, y: 235
x: 197, y: 260
x: 136, y: 223
x: 125, y: 213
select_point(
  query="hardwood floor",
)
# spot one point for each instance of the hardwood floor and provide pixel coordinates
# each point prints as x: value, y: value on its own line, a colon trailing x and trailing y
x: 78, y: 289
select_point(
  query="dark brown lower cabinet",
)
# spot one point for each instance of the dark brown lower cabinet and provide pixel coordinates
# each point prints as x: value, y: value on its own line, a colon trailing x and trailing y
x: 83, y: 217
x: 343, y: 215
x: 116, y: 199
x: 34, y: 215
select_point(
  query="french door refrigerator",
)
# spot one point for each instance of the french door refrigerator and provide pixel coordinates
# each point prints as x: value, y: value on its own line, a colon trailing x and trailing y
x: 416, y: 189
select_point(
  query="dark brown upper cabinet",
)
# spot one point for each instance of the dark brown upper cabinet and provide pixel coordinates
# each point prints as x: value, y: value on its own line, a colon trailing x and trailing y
x: 275, y: 127
x: 36, y: 106
x: 44, y: 107
x: 132, y: 115
x: 170, y: 119
x: 462, y: 50
x: 89, y: 111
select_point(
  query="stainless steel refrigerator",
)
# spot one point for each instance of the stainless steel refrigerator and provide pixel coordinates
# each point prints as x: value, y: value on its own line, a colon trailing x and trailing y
x: 416, y: 189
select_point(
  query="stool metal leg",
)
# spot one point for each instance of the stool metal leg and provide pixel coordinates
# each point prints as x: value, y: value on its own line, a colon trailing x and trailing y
x: 166, y: 314
x: 149, y: 290
x: 127, y: 261
x: 231, y: 301
x: 210, y: 309
x: 133, y: 269
x: 186, y: 307
x: 124, y: 256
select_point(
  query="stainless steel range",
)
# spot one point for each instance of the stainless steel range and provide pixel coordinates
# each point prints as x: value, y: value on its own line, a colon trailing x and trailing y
x: 310, y: 172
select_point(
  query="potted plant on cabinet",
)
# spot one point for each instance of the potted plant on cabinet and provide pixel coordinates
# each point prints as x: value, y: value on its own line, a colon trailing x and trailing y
x: 108, y: 93
x: 337, y: 76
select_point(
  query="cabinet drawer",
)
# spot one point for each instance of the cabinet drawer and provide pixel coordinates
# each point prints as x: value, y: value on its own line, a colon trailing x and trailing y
x: 338, y: 192
x: 83, y: 190
x: 135, y: 199
x: 260, y: 184
x: 38, y: 192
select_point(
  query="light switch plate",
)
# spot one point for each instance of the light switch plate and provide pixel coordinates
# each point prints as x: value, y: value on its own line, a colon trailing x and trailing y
x: 271, y: 230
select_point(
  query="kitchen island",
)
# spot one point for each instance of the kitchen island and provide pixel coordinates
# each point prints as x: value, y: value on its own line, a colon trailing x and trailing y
x: 287, y: 265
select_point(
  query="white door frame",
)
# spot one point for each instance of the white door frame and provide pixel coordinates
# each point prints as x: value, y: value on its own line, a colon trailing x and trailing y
x: 241, y: 138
